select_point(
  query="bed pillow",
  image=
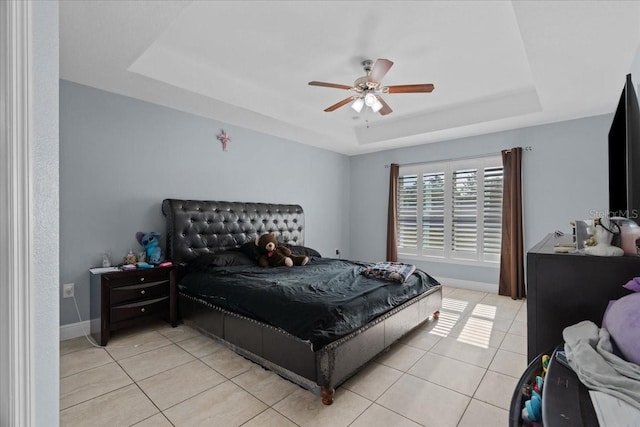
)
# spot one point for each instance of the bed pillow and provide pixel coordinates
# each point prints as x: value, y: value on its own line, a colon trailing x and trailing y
x: 251, y: 251
x: 303, y: 250
x: 219, y: 259
x: 231, y: 258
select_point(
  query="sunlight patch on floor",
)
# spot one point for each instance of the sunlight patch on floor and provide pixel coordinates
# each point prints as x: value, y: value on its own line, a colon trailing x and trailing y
x: 476, y: 332
x: 451, y: 304
x: 484, y: 310
x: 446, y: 321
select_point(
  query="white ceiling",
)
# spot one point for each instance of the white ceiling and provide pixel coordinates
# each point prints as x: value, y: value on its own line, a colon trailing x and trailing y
x: 496, y: 65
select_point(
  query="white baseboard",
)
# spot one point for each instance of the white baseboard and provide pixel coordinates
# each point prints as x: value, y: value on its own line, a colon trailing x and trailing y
x: 74, y: 330
x: 491, y: 288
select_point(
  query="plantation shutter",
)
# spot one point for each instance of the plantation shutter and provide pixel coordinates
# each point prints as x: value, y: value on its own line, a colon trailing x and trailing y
x: 433, y: 212
x: 408, y: 213
x: 451, y: 210
x: 492, y: 209
x: 464, y: 229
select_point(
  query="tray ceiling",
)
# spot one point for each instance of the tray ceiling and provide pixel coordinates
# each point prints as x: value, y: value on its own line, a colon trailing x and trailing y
x: 496, y: 65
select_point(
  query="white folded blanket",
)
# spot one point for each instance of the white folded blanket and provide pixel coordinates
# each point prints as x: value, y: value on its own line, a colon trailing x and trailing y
x: 589, y: 352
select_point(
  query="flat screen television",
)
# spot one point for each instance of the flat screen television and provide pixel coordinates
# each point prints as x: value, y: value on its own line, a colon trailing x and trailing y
x: 624, y: 156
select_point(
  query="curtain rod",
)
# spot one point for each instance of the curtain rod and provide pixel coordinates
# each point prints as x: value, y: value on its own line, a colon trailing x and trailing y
x: 479, y: 156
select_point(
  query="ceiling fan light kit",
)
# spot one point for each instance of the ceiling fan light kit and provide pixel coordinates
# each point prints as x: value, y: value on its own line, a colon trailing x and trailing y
x: 368, y: 88
x: 358, y: 104
x: 369, y: 99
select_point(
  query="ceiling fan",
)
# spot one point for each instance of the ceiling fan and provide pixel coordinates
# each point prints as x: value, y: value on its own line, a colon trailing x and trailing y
x: 368, y: 88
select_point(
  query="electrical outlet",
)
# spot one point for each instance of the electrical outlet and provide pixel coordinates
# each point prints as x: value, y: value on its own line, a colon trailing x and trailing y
x: 68, y: 290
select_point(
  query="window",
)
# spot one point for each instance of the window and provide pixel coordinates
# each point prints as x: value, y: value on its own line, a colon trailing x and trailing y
x: 451, y: 210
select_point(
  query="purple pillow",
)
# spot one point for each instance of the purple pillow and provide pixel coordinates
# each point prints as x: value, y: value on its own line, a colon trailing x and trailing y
x: 604, y: 317
x: 623, y: 323
x: 633, y: 284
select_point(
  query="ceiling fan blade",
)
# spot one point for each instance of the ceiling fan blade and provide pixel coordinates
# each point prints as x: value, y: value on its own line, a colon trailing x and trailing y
x: 379, y: 69
x: 333, y: 85
x: 385, y: 107
x: 339, y: 104
x: 428, y: 87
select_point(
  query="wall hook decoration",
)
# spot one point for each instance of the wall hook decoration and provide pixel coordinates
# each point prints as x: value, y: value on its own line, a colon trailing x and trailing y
x: 224, y: 138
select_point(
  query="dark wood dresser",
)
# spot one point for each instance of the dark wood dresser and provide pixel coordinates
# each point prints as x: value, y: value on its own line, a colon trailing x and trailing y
x: 124, y: 298
x: 564, y: 289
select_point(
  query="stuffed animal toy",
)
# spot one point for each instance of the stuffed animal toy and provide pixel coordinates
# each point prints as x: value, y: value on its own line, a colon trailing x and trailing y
x: 603, y: 230
x: 532, y: 409
x: 273, y: 255
x: 151, y: 244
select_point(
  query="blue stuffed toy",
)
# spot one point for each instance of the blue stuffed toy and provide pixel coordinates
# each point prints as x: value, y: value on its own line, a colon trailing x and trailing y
x: 151, y: 244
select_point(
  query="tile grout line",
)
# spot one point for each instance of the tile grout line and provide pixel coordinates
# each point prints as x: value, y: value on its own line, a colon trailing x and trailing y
x: 394, y: 411
x: 364, y: 410
x: 96, y: 397
x: 409, y: 374
x: 160, y: 372
x: 159, y: 413
x: 113, y: 361
x: 262, y: 412
x: 444, y: 356
x: 139, y: 388
x: 274, y: 403
x: 191, y: 397
x: 272, y: 407
x: 134, y: 346
x: 485, y: 373
x: 200, y: 392
x: 226, y: 379
x: 145, y: 394
x: 464, y: 412
x: 370, y: 402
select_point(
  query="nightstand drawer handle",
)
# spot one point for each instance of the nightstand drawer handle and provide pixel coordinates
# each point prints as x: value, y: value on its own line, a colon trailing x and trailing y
x: 142, y: 292
x: 142, y: 279
x: 142, y: 309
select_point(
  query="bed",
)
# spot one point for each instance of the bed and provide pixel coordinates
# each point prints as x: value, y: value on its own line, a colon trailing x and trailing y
x: 281, y: 330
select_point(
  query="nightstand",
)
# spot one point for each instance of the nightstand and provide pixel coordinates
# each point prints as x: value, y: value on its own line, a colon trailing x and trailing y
x: 121, y: 299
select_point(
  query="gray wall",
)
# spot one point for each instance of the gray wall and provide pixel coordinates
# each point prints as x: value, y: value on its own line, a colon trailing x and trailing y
x: 564, y: 178
x: 120, y: 157
x: 44, y: 157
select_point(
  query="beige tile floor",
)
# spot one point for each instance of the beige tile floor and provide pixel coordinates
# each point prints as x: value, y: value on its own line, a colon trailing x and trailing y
x: 459, y: 371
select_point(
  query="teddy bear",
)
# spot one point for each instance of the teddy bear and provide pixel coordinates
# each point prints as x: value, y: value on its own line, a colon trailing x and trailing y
x: 151, y: 244
x: 273, y: 255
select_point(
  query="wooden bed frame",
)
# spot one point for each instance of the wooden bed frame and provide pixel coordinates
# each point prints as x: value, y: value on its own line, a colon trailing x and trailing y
x: 198, y: 227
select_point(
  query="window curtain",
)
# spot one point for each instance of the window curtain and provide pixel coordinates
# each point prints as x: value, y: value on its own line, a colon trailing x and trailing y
x: 512, y: 255
x: 392, y: 217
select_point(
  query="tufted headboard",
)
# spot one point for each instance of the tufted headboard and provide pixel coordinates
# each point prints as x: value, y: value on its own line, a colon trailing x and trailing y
x: 196, y: 227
